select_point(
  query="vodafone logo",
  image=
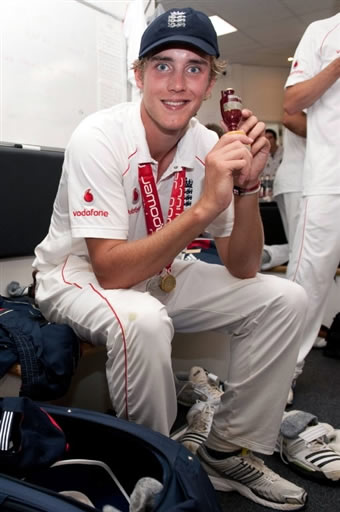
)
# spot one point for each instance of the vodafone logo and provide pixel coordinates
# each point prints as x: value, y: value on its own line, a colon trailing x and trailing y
x: 88, y: 196
x: 89, y: 212
x: 295, y: 64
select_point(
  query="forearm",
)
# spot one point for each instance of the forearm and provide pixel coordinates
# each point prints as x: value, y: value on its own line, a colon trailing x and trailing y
x: 304, y: 94
x: 128, y: 263
x: 296, y: 123
x: 242, y: 255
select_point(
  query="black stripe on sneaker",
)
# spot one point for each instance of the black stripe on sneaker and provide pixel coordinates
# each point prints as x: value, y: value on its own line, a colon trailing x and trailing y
x: 323, y: 457
x: 244, y: 473
x: 194, y: 437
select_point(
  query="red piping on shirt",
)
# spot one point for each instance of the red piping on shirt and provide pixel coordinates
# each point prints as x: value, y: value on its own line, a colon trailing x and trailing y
x: 128, y: 167
x: 324, y: 39
x: 64, y: 279
x: 201, y: 161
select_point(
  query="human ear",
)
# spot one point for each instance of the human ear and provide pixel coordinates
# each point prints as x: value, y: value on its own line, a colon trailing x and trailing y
x: 139, y: 78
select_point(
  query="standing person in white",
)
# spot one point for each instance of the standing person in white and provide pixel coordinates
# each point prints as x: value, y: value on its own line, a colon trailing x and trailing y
x: 288, y: 179
x: 314, y: 84
x: 287, y: 187
x: 140, y: 182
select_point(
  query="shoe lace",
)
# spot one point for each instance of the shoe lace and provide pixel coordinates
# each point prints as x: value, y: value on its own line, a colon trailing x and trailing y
x: 203, y: 418
x: 206, y: 416
x: 212, y: 384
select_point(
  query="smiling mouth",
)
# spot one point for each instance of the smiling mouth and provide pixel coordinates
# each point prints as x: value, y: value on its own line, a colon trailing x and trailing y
x: 174, y: 104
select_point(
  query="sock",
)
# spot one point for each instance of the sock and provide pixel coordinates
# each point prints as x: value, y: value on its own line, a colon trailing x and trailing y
x: 222, y: 455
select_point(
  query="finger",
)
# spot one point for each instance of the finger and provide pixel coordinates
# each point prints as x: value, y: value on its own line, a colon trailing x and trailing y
x: 257, y: 131
x: 248, y: 124
x: 246, y: 113
x: 237, y: 154
x: 260, y: 144
x: 231, y: 151
x: 229, y: 138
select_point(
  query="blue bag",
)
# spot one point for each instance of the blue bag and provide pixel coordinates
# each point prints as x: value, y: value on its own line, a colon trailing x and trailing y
x: 29, y: 436
x: 131, y: 451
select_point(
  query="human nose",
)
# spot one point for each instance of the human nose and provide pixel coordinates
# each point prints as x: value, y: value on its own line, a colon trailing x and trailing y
x: 177, y: 82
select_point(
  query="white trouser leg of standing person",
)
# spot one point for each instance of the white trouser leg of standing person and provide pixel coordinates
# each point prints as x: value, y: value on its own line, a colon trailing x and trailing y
x: 315, y: 258
x: 289, y: 205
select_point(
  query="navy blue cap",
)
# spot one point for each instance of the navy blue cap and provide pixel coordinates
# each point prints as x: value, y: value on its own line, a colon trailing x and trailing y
x: 180, y: 26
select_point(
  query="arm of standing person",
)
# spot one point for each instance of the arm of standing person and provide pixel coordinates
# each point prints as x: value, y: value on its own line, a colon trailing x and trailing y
x: 304, y: 94
x: 296, y: 123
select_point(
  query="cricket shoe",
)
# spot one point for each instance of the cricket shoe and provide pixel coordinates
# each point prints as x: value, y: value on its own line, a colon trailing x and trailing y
x: 311, y: 452
x: 333, y: 438
x: 199, y: 419
x: 197, y: 385
x: 247, y: 474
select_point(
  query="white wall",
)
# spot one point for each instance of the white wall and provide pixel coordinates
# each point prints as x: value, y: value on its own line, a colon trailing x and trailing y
x: 53, y: 74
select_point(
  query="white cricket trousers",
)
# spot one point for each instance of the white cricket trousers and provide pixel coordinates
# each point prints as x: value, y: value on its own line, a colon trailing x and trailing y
x: 314, y: 259
x: 289, y: 205
x: 263, y: 315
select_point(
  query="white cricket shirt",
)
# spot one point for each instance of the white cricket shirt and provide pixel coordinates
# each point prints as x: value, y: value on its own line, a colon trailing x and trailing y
x: 99, y: 194
x: 319, y: 46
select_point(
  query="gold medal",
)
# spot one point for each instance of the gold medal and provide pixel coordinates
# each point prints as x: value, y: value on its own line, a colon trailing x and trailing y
x: 167, y: 283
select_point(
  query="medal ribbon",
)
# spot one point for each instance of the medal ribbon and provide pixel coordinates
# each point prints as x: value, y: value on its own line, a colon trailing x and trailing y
x: 152, y: 209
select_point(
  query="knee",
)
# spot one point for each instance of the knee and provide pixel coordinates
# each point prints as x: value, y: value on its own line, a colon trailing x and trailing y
x: 147, y: 330
x: 152, y: 323
x: 293, y: 298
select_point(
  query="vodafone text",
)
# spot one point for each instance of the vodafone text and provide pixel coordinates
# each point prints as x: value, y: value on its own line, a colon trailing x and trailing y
x: 90, y: 213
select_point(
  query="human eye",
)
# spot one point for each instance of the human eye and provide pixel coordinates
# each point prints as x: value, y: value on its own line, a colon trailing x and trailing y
x: 194, y: 69
x: 162, y: 66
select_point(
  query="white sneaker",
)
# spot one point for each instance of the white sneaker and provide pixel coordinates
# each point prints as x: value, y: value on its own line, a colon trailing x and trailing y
x: 199, y: 419
x: 197, y: 385
x: 249, y: 476
x: 311, y: 454
x: 332, y: 438
x: 334, y: 441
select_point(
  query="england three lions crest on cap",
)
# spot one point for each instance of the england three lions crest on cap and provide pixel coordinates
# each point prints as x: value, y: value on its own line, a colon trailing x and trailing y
x: 176, y: 19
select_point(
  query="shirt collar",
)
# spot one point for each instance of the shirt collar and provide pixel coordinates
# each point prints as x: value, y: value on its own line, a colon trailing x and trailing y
x: 185, y: 153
